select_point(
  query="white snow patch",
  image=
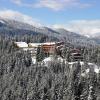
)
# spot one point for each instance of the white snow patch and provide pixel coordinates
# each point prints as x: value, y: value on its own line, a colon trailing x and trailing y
x: 48, y: 59
x: 87, y: 36
x: 34, y: 60
x: 40, y: 44
x: 35, y: 44
x: 87, y: 70
x: 49, y: 43
x: 96, y: 70
x: 83, y: 74
x: 71, y: 63
x: 22, y: 44
x: 95, y: 67
x: 2, y: 21
x: 52, y: 59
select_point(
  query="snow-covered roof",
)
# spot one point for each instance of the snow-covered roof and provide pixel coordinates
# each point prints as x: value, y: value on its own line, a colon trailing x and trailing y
x: 34, y: 44
x: 25, y: 45
x: 49, y: 43
x: 30, y: 45
x: 40, y: 44
x: 22, y: 44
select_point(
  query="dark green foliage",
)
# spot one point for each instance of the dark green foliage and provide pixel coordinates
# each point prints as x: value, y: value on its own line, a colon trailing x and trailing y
x: 40, y: 54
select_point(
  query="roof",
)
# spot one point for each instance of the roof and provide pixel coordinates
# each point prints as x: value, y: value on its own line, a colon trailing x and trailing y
x: 39, y: 44
x: 21, y: 44
x: 34, y: 44
x: 49, y: 43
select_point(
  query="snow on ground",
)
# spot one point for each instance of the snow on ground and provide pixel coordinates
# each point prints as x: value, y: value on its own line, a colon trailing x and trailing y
x: 34, y: 60
x: 96, y: 68
x: 48, y: 61
x: 51, y: 59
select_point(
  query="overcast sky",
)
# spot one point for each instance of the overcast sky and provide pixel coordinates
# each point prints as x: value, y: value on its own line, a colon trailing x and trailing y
x: 80, y: 16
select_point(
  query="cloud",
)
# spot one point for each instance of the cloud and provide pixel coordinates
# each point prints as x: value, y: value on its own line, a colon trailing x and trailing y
x: 84, y: 27
x: 15, y: 15
x: 55, y: 5
x: 18, y: 2
x: 61, y: 4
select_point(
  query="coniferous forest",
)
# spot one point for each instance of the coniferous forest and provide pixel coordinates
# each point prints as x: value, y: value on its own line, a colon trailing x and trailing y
x: 20, y: 79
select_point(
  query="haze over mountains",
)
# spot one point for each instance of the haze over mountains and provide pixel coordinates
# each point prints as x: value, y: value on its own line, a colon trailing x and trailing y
x: 9, y: 26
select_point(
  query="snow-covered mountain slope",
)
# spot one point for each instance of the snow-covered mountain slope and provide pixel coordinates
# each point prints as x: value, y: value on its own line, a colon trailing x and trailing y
x: 1, y: 21
x: 12, y: 26
x: 75, y: 38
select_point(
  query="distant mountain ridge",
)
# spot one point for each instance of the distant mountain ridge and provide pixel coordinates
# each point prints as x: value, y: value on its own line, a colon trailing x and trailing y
x: 8, y: 26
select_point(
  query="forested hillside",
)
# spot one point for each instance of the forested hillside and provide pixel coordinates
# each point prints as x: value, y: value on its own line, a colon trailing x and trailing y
x: 13, y: 27
x: 21, y: 80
